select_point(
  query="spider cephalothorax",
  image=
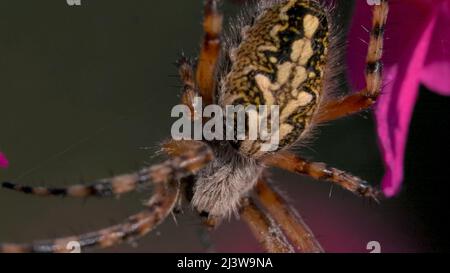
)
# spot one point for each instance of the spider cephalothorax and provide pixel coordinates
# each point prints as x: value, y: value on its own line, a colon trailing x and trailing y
x: 279, y: 52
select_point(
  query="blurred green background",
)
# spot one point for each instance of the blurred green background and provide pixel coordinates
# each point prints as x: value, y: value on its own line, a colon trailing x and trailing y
x: 86, y: 92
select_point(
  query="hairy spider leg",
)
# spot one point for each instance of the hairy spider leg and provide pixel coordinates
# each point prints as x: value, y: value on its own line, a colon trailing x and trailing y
x: 186, y: 73
x: 293, y: 163
x: 191, y: 156
x: 373, y: 74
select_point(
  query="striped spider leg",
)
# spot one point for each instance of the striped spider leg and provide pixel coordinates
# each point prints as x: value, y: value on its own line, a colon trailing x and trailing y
x: 317, y: 170
x: 117, y: 185
x: 367, y: 97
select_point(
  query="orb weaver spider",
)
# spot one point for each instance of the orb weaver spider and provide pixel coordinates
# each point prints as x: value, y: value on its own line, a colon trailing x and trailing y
x: 278, y: 52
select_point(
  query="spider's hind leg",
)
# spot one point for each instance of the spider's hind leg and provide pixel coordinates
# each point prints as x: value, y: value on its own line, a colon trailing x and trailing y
x: 367, y: 97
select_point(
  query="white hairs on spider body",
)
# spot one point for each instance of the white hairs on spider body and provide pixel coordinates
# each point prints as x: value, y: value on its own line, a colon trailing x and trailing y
x: 223, y: 182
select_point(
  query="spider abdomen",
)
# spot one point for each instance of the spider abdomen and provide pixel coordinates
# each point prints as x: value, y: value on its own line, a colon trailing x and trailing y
x: 280, y: 61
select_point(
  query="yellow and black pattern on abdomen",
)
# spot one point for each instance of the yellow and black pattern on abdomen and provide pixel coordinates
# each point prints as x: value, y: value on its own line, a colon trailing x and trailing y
x: 281, y: 61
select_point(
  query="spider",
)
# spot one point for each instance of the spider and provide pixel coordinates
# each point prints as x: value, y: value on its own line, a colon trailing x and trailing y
x: 278, y: 52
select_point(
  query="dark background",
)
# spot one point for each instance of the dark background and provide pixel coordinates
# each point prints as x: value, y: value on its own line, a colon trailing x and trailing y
x: 87, y: 91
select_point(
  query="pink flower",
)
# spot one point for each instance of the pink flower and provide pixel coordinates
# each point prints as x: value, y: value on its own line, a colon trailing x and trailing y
x: 4, y: 163
x: 417, y: 51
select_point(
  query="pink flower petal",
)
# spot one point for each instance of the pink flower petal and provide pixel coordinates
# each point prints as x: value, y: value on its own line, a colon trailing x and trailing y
x: 4, y: 163
x: 436, y: 73
x: 405, y: 53
x: 436, y: 76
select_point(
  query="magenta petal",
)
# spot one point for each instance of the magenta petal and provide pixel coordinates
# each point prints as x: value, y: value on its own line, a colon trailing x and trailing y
x: 4, y: 163
x: 395, y: 107
x: 436, y: 73
x: 436, y: 76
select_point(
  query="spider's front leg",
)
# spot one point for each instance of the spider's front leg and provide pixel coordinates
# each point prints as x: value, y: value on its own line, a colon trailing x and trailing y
x: 367, y: 97
x: 186, y: 73
x: 291, y: 162
x: 190, y: 156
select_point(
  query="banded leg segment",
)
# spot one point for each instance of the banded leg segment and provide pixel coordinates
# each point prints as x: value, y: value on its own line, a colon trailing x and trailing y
x: 264, y: 228
x: 103, y: 188
x: 210, y: 51
x: 157, y: 209
x: 186, y: 73
x: 367, y: 97
x: 289, y: 220
x: 291, y: 162
x: 191, y: 156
